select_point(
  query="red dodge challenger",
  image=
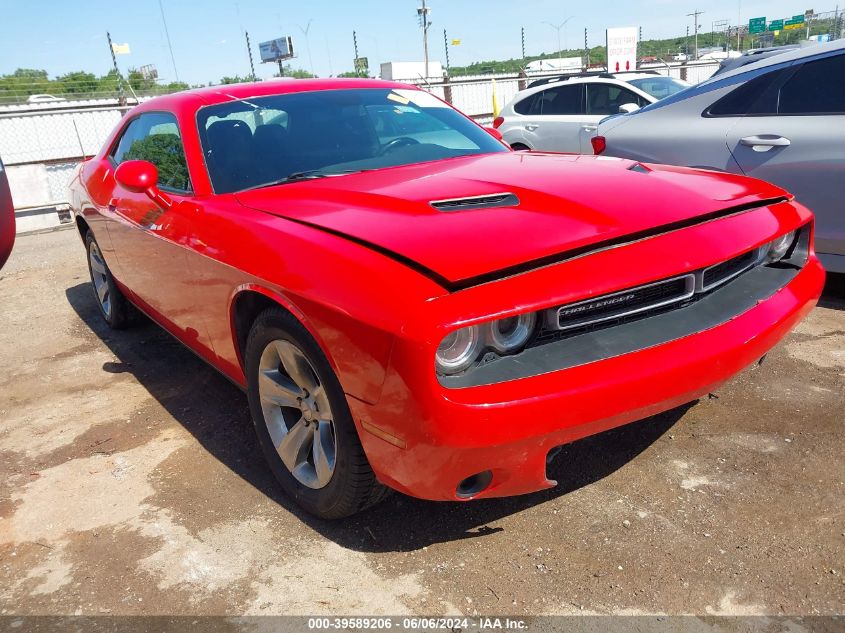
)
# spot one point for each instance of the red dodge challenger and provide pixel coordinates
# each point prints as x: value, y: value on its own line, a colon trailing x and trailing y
x: 408, y: 303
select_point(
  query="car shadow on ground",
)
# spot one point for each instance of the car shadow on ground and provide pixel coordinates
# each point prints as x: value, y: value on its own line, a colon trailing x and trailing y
x: 215, y: 412
x: 834, y: 292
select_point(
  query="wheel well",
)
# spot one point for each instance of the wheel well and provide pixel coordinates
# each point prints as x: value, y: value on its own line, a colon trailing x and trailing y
x: 82, y: 226
x: 248, y: 305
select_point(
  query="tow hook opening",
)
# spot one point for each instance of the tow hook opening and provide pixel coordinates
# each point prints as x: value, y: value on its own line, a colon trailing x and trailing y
x: 474, y: 484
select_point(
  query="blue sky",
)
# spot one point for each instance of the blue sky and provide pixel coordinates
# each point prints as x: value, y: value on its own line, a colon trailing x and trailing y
x: 208, y: 37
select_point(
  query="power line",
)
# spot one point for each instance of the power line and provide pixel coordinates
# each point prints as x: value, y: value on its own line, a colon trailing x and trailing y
x: 167, y: 35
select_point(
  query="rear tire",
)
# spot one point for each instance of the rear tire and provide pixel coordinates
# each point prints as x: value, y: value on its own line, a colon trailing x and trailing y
x: 114, y: 307
x: 303, y: 421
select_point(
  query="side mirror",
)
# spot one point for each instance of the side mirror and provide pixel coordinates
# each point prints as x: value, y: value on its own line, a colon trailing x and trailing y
x: 628, y: 108
x: 496, y: 134
x: 141, y: 176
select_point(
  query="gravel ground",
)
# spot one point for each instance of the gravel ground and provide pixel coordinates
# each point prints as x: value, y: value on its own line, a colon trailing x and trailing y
x: 131, y: 483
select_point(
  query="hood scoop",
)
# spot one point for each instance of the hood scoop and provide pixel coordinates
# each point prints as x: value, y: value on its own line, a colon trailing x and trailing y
x: 488, y: 201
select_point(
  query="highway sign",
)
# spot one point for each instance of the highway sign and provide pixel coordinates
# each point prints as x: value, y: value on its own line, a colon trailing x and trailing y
x: 756, y: 25
x: 776, y: 25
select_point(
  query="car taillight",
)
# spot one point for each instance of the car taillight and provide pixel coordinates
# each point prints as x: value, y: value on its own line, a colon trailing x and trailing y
x: 498, y: 121
x: 599, y: 144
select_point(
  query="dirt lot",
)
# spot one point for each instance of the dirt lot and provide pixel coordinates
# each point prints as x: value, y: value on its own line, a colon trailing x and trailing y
x: 131, y: 482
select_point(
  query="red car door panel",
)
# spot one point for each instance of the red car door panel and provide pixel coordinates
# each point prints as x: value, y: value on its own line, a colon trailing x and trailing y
x: 151, y: 242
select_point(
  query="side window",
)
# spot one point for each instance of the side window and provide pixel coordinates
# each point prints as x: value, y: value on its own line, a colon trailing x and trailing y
x: 562, y: 100
x: 605, y: 99
x: 130, y: 135
x: 817, y: 87
x: 155, y: 137
x: 756, y: 96
x: 529, y: 105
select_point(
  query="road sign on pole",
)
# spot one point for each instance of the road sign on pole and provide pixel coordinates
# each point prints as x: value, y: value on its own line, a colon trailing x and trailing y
x: 776, y: 25
x: 796, y: 22
x: 756, y: 25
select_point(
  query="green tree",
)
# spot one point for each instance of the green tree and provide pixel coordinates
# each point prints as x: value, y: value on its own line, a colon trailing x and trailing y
x: 237, y: 79
x: 297, y: 73
x: 77, y: 83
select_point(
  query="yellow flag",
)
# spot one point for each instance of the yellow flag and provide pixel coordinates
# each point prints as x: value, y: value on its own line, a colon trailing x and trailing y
x: 495, y: 100
x: 120, y: 49
x: 456, y: 42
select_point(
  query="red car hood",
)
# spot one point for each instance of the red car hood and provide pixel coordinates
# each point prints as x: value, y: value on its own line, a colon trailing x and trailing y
x: 566, y: 202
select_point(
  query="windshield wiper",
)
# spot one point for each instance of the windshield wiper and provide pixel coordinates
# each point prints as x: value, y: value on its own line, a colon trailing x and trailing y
x: 310, y: 174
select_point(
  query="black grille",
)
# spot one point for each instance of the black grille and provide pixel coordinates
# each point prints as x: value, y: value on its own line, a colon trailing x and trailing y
x: 721, y: 272
x: 611, y: 306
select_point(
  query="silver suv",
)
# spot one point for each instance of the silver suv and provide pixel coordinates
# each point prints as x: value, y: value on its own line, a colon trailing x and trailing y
x: 781, y: 119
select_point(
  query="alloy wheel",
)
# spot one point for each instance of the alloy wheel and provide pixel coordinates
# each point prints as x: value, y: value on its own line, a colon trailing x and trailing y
x: 297, y: 413
x: 99, y: 277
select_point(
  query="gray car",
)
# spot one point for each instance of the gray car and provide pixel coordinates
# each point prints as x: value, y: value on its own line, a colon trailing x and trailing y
x: 781, y: 119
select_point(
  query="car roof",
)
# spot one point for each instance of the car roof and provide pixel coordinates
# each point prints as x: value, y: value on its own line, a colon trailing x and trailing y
x: 212, y: 95
x: 785, y: 57
x: 587, y: 77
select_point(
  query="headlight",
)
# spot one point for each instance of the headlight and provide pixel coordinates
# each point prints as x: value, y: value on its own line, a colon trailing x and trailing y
x: 777, y: 249
x: 458, y: 350
x: 508, y: 335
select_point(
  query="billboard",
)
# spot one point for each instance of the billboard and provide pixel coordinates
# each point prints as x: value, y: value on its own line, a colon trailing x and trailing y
x: 621, y: 49
x: 276, y: 50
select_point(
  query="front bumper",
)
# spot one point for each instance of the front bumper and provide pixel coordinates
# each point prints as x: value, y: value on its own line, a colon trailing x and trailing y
x: 510, y: 428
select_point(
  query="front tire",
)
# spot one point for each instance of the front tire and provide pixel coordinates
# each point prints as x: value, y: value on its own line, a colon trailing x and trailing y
x: 113, y: 305
x: 303, y: 421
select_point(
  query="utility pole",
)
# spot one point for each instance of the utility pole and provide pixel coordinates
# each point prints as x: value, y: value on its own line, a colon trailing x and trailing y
x: 522, y: 32
x: 249, y: 51
x: 695, y: 15
x: 422, y: 13
x: 446, y: 44
x: 355, y: 45
x: 586, y: 52
x: 121, y: 97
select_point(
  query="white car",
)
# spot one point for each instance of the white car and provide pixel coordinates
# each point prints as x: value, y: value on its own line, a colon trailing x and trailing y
x: 44, y: 99
x: 561, y: 114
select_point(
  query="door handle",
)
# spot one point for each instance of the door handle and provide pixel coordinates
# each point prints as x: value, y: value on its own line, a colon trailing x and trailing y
x: 765, y: 142
x: 531, y: 127
x: 590, y: 128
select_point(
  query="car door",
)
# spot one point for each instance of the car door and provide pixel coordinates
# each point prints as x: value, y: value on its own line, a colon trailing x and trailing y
x: 150, y: 241
x: 7, y: 217
x: 603, y: 98
x: 796, y: 140
x: 560, y: 116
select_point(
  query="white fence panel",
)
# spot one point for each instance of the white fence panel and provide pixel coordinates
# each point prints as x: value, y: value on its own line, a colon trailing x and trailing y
x: 39, y: 137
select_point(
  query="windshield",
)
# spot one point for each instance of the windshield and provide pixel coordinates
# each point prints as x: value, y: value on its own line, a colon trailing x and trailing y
x: 660, y: 87
x: 282, y: 138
